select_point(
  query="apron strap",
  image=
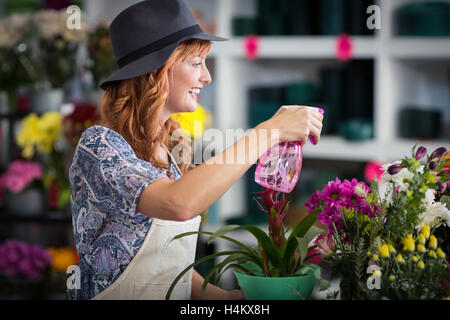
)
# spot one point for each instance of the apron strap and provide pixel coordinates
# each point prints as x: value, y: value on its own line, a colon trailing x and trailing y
x: 173, y: 159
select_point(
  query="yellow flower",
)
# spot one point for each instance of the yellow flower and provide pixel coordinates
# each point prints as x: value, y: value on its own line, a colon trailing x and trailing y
x: 440, y: 253
x: 421, y: 248
x: 415, y: 258
x: 194, y: 122
x: 39, y: 134
x: 62, y: 258
x: 376, y: 273
x: 422, y: 238
x: 400, y: 258
x: 391, y: 277
x: 409, y: 244
x: 421, y: 265
x: 432, y: 244
x: 432, y: 254
x: 425, y: 230
x: 391, y: 248
x: 447, y: 298
x: 374, y: 257
x: 384, y: 251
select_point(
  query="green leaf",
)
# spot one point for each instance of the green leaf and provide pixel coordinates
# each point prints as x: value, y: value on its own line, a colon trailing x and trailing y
x: 182, y: 273
x: 222, y: 231
x: 266, y: 243
x: 303, y: 247
x: 287, y: 250
x: 324, y: 285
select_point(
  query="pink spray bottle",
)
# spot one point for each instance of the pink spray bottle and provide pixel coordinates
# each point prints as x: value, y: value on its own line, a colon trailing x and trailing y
x: 279, y: 168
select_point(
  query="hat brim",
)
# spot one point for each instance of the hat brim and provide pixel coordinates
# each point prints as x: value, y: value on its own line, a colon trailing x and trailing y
x: 152, y: 61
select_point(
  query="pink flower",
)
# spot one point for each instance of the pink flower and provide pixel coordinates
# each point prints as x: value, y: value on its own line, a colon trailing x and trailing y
x: 372, y: 169
x: 19, y: 175
x: 325, y: 244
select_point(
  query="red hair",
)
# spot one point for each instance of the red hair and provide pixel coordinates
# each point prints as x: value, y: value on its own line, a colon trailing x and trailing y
x: 133, y: 107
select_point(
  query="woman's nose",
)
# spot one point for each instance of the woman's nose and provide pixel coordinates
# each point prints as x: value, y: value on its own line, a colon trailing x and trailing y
x: 205, y: 76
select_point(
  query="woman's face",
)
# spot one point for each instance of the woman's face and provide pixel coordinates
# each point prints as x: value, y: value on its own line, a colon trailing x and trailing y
x: 185, y: 83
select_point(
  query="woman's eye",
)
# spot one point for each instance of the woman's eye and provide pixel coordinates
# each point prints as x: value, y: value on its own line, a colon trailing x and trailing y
x: 197, y: 64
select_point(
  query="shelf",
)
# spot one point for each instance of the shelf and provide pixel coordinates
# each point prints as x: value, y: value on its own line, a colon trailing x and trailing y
x: 419, y: 48
x: 304, y: 47
x: 338, y: 148
x: 50, y: 217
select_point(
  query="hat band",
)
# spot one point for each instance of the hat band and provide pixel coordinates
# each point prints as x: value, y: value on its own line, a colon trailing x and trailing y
x: 158, y: 45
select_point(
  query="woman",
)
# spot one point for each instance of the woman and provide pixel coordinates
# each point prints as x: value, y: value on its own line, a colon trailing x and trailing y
x: 129, y: 194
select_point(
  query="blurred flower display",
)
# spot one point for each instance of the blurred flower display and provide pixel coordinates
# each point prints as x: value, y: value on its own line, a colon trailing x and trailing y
x: 188, y: 120
x: 102, y: 62
x: 43, y: 137
x: 16, y: 67
x: 58, y: 46
x: 20, y: 175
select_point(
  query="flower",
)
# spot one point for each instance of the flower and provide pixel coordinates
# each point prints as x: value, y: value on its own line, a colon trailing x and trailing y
x: 194, y: 122
x: 20, y: 174
x: 394, y: 169
x: 432, y: 254
x: 415, y: 258
x: 425, y: 230
x: 325, y: 244
x: 391, y: 249
x: 375, y: 257
x: 13, y: 29
x: 421, y: 152
x: 384, y: 251
x: 409, y: 244
x: 400, y: 259
x: 435, y: 215
x: 421, y: 265
x: 18, y: 259
x: 438, y: 153
x: 421, y: 248
x: 373, y: 170
x: 422, y: 239
x: 39, y: 134
x: 432, y: 244
x: 391, y: 277
x: 441, y: 254
x: 62, y: 258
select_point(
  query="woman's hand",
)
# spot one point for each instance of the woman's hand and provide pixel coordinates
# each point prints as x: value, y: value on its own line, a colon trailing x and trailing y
x: 234, y: 295
x: 296, y: 123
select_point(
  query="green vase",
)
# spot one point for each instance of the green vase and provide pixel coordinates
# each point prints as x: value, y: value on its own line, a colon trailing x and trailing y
x: 276, y: 288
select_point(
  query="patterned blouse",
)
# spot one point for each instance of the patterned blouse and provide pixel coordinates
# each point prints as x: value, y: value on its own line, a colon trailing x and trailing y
x: 106, y: 179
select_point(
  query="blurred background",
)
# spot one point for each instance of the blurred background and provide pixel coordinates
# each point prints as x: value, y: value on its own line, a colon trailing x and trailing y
x: 382, y: 76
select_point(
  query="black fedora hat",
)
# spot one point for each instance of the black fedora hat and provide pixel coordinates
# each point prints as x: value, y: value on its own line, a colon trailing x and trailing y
x: 144, y: 35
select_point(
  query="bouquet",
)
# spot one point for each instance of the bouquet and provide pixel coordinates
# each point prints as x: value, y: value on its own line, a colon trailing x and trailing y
x: 385, y: 241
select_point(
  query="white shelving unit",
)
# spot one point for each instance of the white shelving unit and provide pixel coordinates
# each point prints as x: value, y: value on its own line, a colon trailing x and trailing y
x: 407, y: 70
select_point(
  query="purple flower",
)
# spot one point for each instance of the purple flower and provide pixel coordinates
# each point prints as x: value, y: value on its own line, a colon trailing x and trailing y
x: 432, y: 165
x: 394, y: 169
x: 421, y: 152
x: 334, y: 193
x: 438, y: 153
x: 314, y: 201
x: 352, y: 200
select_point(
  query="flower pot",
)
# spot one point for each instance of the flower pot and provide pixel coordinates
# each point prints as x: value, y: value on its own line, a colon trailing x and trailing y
x: 46, y: 100
x: 30, y: 202
x: 276, y: 288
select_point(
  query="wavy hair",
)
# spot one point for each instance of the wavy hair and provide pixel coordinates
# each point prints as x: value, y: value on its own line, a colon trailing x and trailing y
x: 133, y: 107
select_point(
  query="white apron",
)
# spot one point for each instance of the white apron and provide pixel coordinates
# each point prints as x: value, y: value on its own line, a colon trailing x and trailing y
x: 157, y: 263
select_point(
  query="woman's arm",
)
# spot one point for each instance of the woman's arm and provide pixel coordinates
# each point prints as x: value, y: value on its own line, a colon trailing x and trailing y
x: 211, y: 292
x: 199, y: 188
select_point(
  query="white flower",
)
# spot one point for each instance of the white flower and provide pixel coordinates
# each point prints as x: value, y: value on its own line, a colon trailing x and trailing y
x: 385, y: 189
x: 434, y: 215
x: 429, y: 198
x: 420, y: 169
x: 400, y: 179
x: 13, y: 28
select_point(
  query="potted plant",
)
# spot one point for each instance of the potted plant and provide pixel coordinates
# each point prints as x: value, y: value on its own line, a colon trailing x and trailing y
x: 56, y: 60
x: 279, y: 263
x: 383, y: 241
x: 23, y: 183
